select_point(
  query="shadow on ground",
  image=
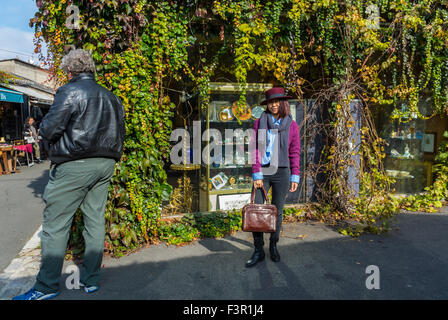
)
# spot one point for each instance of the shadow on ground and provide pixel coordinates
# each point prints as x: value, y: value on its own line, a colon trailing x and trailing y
x: 412, y: 260
x: 38, y: 185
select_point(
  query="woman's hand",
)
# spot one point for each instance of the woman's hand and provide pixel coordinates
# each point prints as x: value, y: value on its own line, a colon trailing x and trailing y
x: 294, y: 186
x: 258, y: 184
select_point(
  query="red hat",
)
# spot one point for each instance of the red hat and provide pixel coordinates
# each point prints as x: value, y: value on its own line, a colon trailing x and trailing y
x: 275, y: 93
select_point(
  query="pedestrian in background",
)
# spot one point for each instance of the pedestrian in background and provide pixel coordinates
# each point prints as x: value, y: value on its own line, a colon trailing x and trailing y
x: 32, y: 136
x: 85, y: 130
x: 276, y: 165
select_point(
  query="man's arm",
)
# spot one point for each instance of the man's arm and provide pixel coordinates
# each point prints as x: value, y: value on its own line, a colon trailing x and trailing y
x: 55, y: 121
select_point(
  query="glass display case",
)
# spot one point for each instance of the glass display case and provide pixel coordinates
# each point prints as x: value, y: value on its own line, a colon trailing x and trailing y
x: 405, y: 156
x: 226, y: 172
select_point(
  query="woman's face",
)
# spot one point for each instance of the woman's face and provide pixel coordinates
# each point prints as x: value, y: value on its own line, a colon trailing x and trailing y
x: 274, y: 106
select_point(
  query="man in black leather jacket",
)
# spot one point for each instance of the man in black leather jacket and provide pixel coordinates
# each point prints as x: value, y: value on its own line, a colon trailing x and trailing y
x: 85, y: 129
x: 86, y: 120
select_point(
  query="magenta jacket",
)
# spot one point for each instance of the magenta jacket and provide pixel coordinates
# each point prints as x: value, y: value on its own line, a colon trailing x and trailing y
x: 293, y: 149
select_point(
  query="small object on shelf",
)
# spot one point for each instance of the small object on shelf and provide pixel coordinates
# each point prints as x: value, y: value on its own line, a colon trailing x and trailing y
x: 406, y: 153
x: 256, y: 112
x: 219, y: 180
x: 399, y: 174
x: 232, y: 181
x: 242, y: 114
x: 214, y: 108
x: 225, y: 114
x: 395, y: 153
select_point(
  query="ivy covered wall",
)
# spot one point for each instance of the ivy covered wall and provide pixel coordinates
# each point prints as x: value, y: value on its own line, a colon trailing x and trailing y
x: 378, y: 52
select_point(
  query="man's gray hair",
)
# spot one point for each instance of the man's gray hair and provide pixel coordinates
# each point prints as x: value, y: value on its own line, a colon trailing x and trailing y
x: 78, y: 61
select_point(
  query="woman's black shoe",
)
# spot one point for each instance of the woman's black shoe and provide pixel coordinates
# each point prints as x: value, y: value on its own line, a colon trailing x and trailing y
x: 258, y: 256
x: 275, y: 256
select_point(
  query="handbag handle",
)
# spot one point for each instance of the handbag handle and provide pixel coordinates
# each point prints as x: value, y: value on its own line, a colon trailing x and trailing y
x: 252, y: 197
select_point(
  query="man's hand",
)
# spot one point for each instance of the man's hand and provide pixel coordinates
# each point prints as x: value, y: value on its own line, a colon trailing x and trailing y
x: 258, y: 184
x: 294, y: 186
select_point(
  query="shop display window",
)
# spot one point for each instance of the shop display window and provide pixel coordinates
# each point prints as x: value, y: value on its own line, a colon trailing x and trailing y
x: 406, y: 143
x: 226, y: 183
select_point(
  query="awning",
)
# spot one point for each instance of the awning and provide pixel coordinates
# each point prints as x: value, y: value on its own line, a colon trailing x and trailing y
x: 8, y: 95
x: 34, y: 94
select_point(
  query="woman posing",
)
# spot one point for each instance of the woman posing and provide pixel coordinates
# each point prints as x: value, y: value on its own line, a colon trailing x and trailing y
x: 277, y: 164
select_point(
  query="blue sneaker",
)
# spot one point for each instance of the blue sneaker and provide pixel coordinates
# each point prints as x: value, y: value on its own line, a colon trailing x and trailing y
x: 33, y: 294
x: 89, y: 289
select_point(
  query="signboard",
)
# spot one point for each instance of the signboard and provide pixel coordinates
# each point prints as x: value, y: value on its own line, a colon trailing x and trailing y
x: 233, y: 201
x: 10, y: 96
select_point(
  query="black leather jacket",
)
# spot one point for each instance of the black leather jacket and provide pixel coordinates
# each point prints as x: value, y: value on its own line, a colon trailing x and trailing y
x: 85, y: 121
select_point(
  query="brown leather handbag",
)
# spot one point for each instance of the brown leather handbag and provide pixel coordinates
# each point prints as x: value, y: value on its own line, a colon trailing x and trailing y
x: 259, y: 217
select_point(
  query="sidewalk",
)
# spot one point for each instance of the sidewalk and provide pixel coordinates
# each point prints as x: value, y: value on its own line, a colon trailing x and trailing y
x: 320, y: 264
x: 21, y: 208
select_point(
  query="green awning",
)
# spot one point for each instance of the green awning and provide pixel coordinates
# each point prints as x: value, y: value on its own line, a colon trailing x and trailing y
x: 9, y: 95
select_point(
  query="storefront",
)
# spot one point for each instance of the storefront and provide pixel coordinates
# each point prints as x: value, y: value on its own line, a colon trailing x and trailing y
x: 39, y: 101
x: 411, y: 146
x: 210, y: 182
x: 220, y: 178
x: 11, y: 115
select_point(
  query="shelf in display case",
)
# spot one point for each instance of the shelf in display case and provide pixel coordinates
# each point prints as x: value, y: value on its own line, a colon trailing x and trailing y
x: 411, y: 175
x: 233, y: 121
x: 230, y: 191
x: 231, y: 87
x: 403, y: 178
x: 403, y: 158
x: 404, y: 138
x: 230, y: 167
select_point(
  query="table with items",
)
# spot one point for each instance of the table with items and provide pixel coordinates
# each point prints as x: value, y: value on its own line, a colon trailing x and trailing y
x: 26, y: 149
x: 8, y: 159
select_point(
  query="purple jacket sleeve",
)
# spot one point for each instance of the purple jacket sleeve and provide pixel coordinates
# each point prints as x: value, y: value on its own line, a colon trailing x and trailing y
x: 255, y: 156
x: 294, y: 148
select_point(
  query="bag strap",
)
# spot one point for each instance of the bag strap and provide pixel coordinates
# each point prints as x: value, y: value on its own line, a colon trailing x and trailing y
x: 252, y: 198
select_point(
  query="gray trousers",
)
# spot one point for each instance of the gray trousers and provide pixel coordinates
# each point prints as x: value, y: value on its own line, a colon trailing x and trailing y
x: 75, y: 184
x: 280, y: 185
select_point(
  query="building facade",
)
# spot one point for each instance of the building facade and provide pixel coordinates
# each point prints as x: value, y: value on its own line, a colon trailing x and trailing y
x: 29, y: 92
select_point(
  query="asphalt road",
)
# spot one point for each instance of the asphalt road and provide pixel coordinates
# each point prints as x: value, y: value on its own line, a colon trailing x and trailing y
x: 21, y: 208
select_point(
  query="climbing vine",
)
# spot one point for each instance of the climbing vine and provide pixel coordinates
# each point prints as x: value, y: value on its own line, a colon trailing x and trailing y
x: 387, y: 53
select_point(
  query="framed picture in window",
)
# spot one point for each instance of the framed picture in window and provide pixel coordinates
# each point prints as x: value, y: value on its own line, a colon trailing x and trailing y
x: 428, y: 142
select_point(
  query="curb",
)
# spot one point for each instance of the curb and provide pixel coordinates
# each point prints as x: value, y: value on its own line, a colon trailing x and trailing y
x: 21, y: 273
